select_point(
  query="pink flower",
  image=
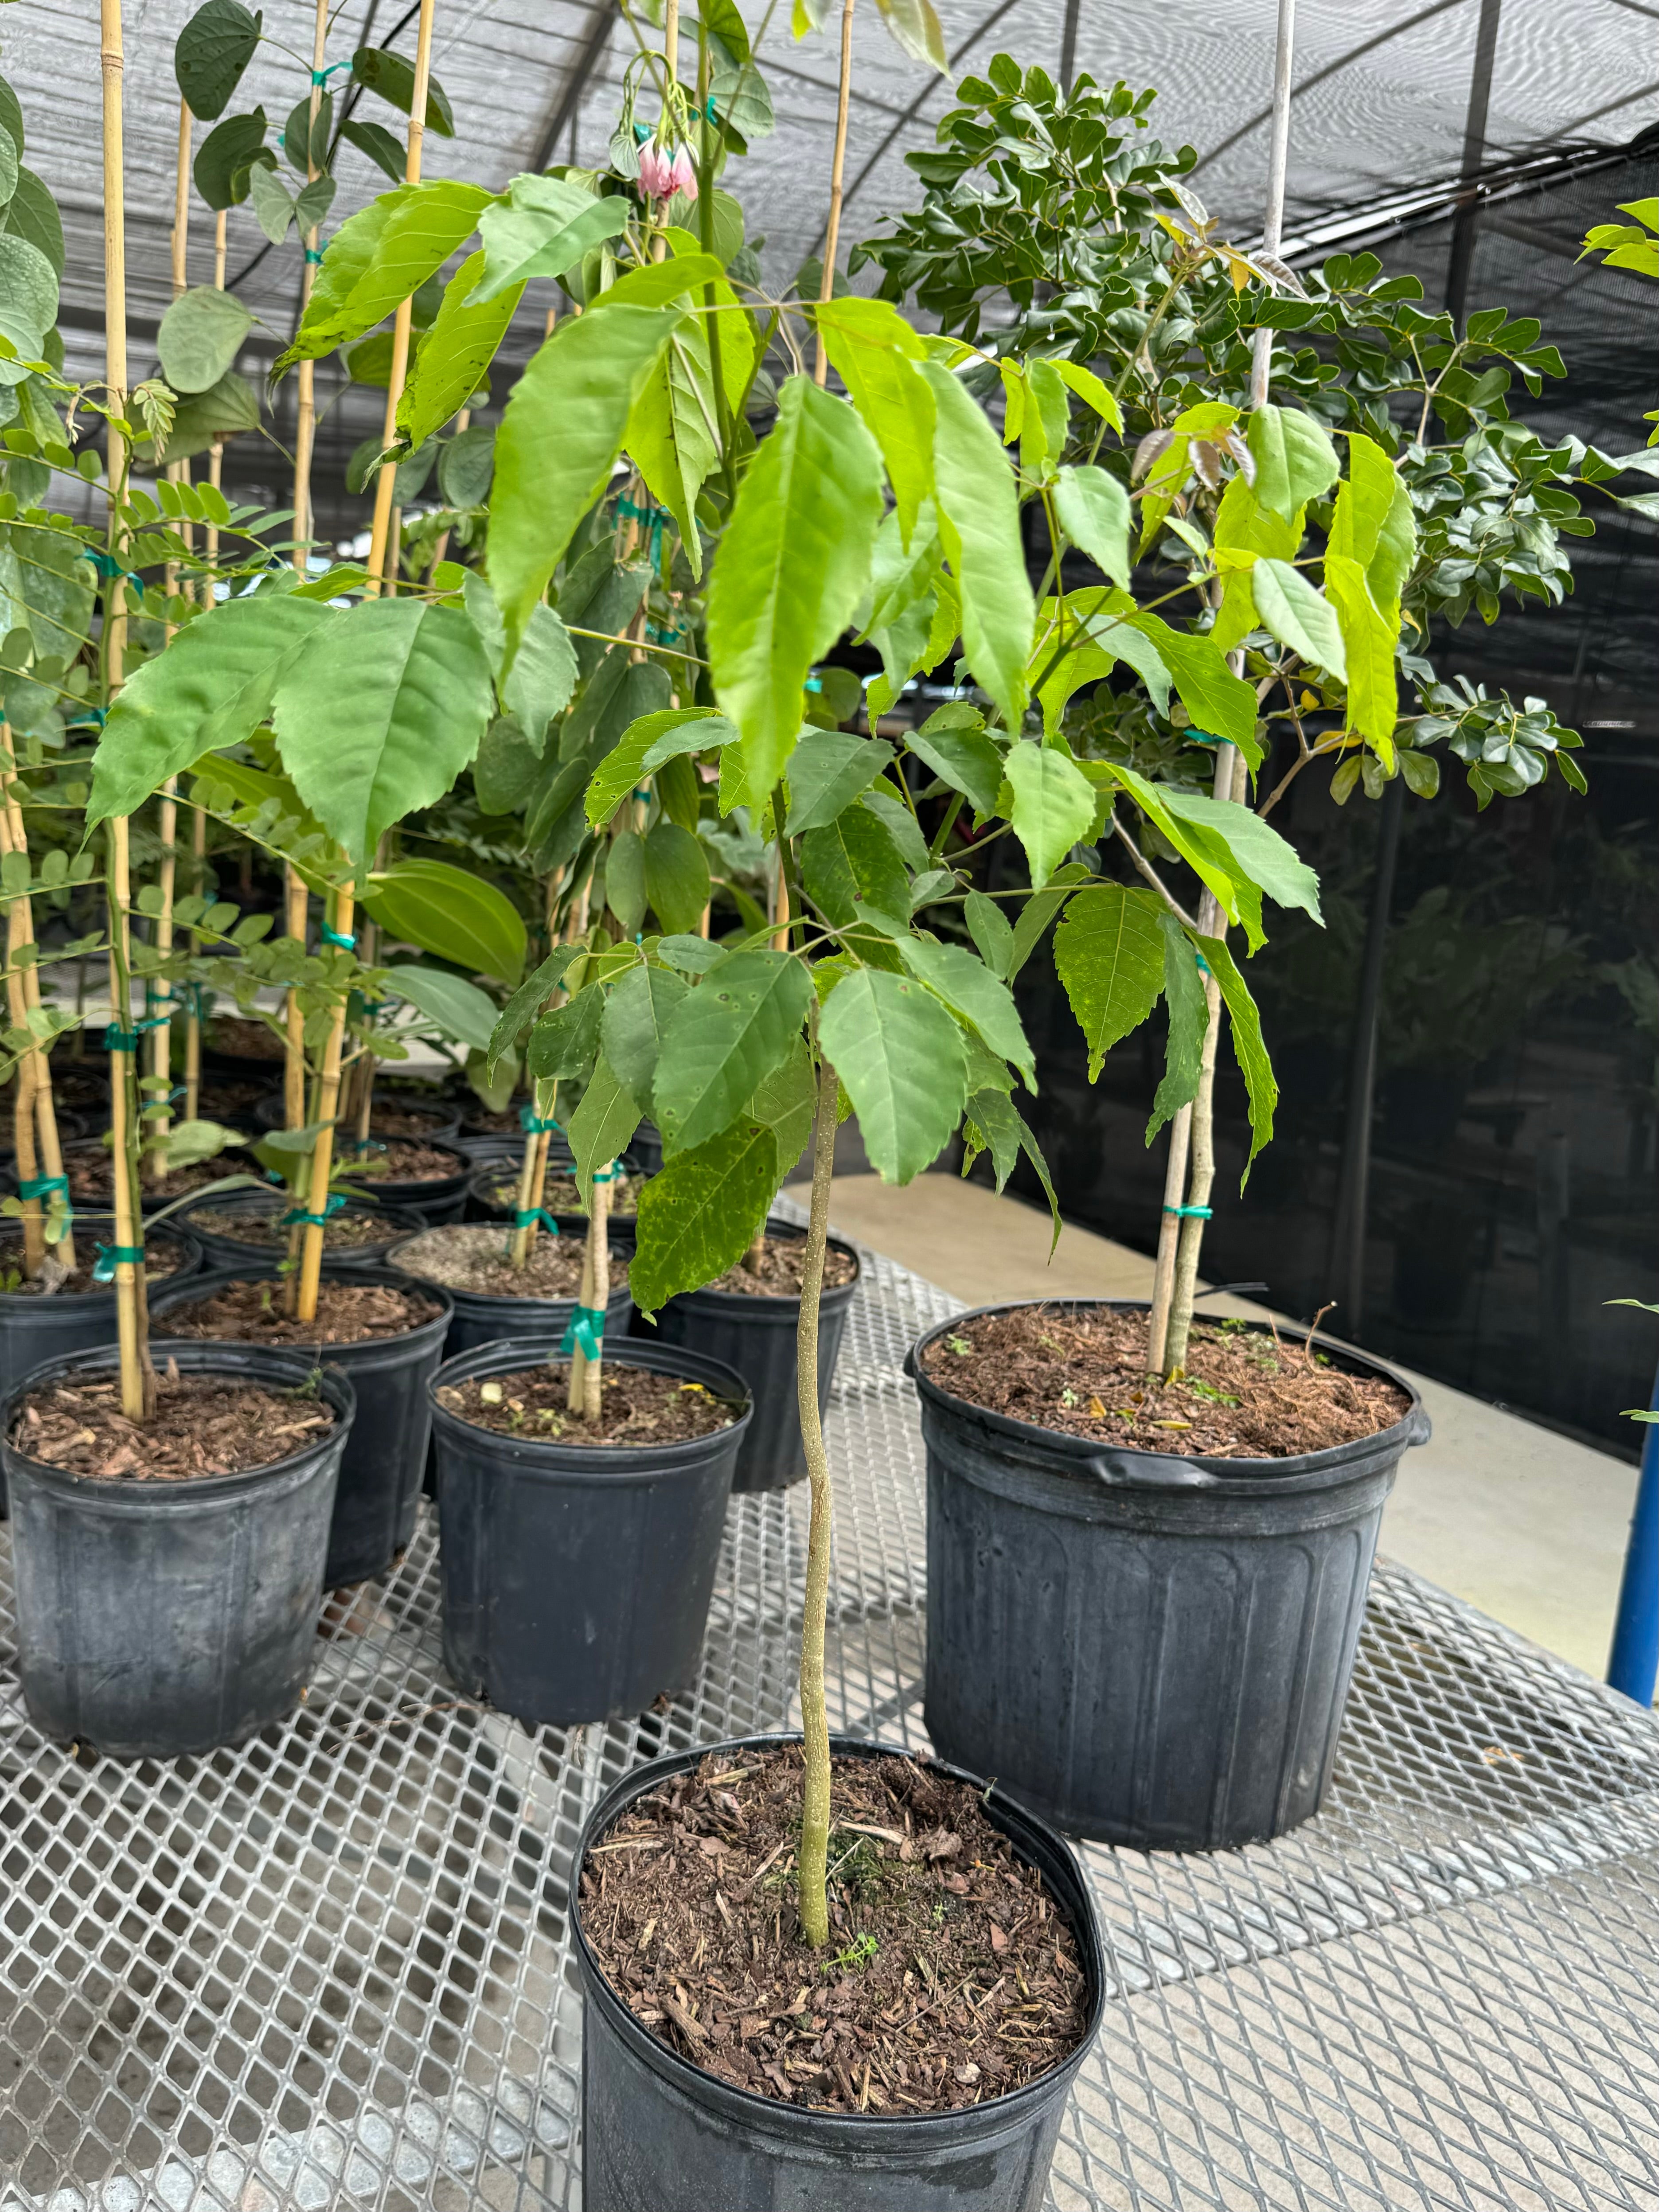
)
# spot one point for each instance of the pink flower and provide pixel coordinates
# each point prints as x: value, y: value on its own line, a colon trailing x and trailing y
x: 685, y: 176
x: 656, y: 173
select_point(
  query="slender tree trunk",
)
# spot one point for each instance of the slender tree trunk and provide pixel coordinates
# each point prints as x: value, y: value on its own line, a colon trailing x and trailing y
x: 586, y: 1375
x: 305, y: 407
x: 1168, y: 1237
x: 193, y: 1016
x: 381, y: 535
x: 322, y: 1159
x: 49, y: 1150
x: 815, y: 1722
x: 18, y: 935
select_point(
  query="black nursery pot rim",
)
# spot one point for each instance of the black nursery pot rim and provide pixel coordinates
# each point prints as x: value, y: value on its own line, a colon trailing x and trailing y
x: 744, y: 2104
x: 618, y: 1249
x: 194, y: 1355
x: 772, y: 1301
x: 640, y: 1462
x: 1131, y: 1462
x: 77, y: 1300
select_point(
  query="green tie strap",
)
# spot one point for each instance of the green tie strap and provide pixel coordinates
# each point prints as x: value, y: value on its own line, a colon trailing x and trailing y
x: 585, y: 1330
x: 315, y: 1220
x: 527, y: 1214
x: 41, y: 1186
x: 110, y: 1257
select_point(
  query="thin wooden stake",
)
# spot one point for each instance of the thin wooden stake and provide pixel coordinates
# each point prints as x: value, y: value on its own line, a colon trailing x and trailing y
x: 837, y: 170
x: 386, y: 480
x: 322, y: 1159
x: 304, y: 421
x: 51, y: 1151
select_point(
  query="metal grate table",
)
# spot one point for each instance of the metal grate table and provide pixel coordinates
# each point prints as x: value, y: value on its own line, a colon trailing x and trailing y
x: 329, y: 1969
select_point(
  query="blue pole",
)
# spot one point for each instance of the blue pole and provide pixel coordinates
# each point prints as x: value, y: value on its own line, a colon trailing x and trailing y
x: 1633, y: 1666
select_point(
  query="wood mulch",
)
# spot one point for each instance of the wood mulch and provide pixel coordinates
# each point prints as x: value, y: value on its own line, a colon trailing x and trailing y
x: 1244, y: 1394
x: 239, y: 1040
x: 472, y: 1255
x: 162, y: 1258
x: 408, y: 1160
x: 347, y: 1313
x: 201, y: 1426
x: 637, y: 1406
x: 348, y: 1230
x: 420, y: 1122
x: 91, y: 1172
x: 560, y: 1193
x: 776, y: 1271
x: 950, y: 1976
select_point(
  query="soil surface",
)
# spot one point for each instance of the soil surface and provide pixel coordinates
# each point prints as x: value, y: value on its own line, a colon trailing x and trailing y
x: 408, y: 1160
x: 417, y: 1121
x: 347, y: 1230
x: 83, y: 1085
x: 477, y: 1122
x: 560, y: 1194
x: 244, y: 1040
x: 950, y: 1976
x: 222, y: 1097
x: 473, y: 1256
x: 1243, y: 1396
x: 201, y: 1427
x: 779, y: 1266
x: 91, y: 1172
x: 637, y: 1406
x: 347, y: 1313
x: 162, y: 1258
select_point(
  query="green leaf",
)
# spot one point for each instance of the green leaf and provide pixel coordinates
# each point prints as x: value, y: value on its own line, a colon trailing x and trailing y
x: 828, y: 771
x: 9, y: 167
x: 213, y: 686
x: 382, y: 715
x: 558, y: 439
x: 741, y: 101
x: 1258, y: 851
x: 507, y: 770
x: 675, y: 878
x: 455, y: 355
x: 1222, y: 704
x: 28, y: 302
x: 644, y: 746
x: 225, y: 156
x: 200, y: 337
x: 990, y: 929
x: 207, y: 419
x: 1298, y: 616
x: 953, y: 743
x: 527, y: 1002
x: 1089, y: 389
x: 876, y: 353
x: 785, y: 1102
x: 1251, y: 1054
x: 792, y: 564
x: 721, y: 17
x: 699, y: 1215
x: 854, y: 862
x: 32, y: 216
x: 380, y: 70
x: 1094, y: 513
x: 455, y: 1007
x: 979, y: 527
x: 1190, y: 1017
x: 1109, y: 953
x: 313, y: 202
x: 900, y: 1059
x: 306, y: 140
x: 624, y: 880
x: 916, y: 30
x: 214, y: 48
x: 1039, y: 910
x: 542, y: 676
x: 454, y: 915
x: 466, y: 465
x: 975, y: 996
x: 726, y: 1037
x: 602, y: 1126
x: 1295, y: 460
x: 636, y: 1013
x: 565, y: 1042
x: 273, y: 202
x: 1053, y: 806
x: 542, y: 227
x: 997, y: 1122
x: 1369, y: 640
x: 378, y: 142
x: 378, y: 259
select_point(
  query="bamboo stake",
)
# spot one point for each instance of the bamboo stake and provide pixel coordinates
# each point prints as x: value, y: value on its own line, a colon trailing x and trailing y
x: 50, y: 1153
x: 322, y: 1159
x: 217, y: 451
x: 394, y: 392
x: 815, y: 1726
x: 583, y: 1394
x: 18, y: 935
x: 294, y: 1057
x: 367, y: 1064
x: 837, y: 169
x: 198, y: 820
x: 134, y: 1352
x: 305, y: 422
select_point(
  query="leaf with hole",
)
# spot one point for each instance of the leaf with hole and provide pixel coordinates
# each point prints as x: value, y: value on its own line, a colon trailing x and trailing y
x: 726, y: 1037
x: 699, y: 1215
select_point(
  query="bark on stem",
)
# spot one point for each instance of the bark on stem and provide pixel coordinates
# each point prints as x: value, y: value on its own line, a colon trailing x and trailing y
x: 193, y: 1018
x: 19, y: 934
x: 385, y: 481
x: 813, y: 1902
x: 586, y: 1376
x: 322, y: 1159
x: 1168, y: 1237
x: 50, y: 1154
x: 293, y: 1050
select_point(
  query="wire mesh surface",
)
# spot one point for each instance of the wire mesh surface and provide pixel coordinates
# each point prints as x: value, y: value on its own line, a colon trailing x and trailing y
x: 330, y: 1969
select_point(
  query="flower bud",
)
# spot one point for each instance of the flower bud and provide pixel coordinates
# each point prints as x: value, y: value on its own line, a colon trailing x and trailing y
x: 684, y: 175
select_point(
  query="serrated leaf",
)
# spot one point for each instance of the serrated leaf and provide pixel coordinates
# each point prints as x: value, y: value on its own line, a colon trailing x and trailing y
x: 900, y: 1059
x: 1108, y: 954
x: 1244, y: 1025
x: 991, y: 931
x: 602, y: 1126
x: 1298, y: 616
x: 566, y: 1041
x: 978, y: 508
x: 726, y: 1037
x: 975, y: 996
x: 700, y: 1213
x: 541, y: 229
x: 1295, y: 460
x: 828, y: 771
x: 1094, y: 513
x: 542, y: 676
x: 787, y: 1103
x: 675, y: 877
x: 1190, y: 1017
x: 378, y: 259
x: 507, y: 770
x: 644, y: 746
x: 1054, y: 805
x: 636, y: 1013
x: 878, y: 356
x: 466, y: 465
x: 455, y: 354
x: 850, y: 861
x: 527, y: 1002
x: 953, y: 743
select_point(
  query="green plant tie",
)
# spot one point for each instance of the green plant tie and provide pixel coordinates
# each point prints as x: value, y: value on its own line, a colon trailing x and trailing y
x: 607, y: 1175
x: 1204, y: 967
x: 109, y: 568
x: 333, y: 937
x: 1202, y: 738
x: 116, y: 1039
x: 110, y: 1257
x: 527, y: 1214
x: 322, y: 76
x: 654, y: 518
x: 314, y: 255
x: 41, y: 1186
x: 89, y: 717
x: 535, y: 1125
x: 316, y: 1220
x: 585, y: 1330
x: 1191, y: 1213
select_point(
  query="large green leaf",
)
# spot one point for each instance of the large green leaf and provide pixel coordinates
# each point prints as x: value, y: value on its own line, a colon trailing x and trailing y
x: 33, y: 216
x: 1367, y: 649
x: 725, y: 1038
x: 1190, y: 1017
x: 1298, y: 616
x: 1270, y: 861
x: 978, y: 510
x: 975, y: 996
x: 208, y: 418
x: 1109, y: 953
x: 953, y: 743
x: 1094, y: 513
x: 543, y: 676
x: 380, y: 257
x: 877, y: 356
x: 791, y: 566
x: 900, y: 1059
x: 828, y: 769
x: 214, y: 48
x: 528, y: 1000
x: 915, y: 29
x: 1259, y: 1085
x: 854, y: 862
x: 566, y: 1041
x: 200, y: 337
x: 380, y: 70
x: 457, y: 916
x: 507, y: 770
x: 1054, y: 805
x: 625, y: 881
x: 787, y: 1102
x: 675, y: 878
x: 455, y: 1007
x: 636, y: 1013
x: 455, y: 354
x: 644, y: 746
x: 224, y: 157
x: 1295, y: 460
x: 699, y: 1215
x: 558, y: 439
x: 602, y: 1126
x: 47, y: 586
x: 542, y: 227
x: 992, y: 1120
x: 213, y: 686
x: 378, y: 142
x: 382, y: 714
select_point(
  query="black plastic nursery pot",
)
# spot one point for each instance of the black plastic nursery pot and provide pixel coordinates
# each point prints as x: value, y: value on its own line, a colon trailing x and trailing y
x: 71, y: 1129
x: 223, y: 1248
x: 1148, y: 1651
x: 35, y: 1328
x: 435, y: 1121
x: 378, y: 1491
x: 488, y: 1317
x: 439, y: 1198
x: 485, y: 1201
x: 645, y: 1148
x: 758, y: 1337
x: 660, y: 2135
x: 577, y: 1578
x: 159, y: 1619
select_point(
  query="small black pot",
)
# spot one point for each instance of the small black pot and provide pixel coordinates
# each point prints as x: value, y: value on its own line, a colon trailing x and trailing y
x: 159, y: 1619
x: 221, y: 1249
x: 34, y: 1329
x: 72, y: 1128
x: 1150, y: 1650
x: 577, y: 1579
x: 645, y: 1148
x: 757, y: 1336
x: 441, y: 1200
x: 380, y: 1485
x: 659, y: 2135
x: 487, y: 1317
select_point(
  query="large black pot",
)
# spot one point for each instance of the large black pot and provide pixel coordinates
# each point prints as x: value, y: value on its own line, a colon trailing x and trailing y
x: 380, y: 1485
x: 758, y: 1336
x: 488, y: 1317
x: 1147, y: 1649
x: 440, y: 1120
x: 34, y: 1329
x: 221, y: 1249
x: 159, y: 1618
x: 577, y: 1579
x: 659, y: 2135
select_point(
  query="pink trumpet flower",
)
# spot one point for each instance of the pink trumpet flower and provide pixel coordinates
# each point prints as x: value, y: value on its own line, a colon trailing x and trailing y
x: 685, y: 176
x: 662, y: 177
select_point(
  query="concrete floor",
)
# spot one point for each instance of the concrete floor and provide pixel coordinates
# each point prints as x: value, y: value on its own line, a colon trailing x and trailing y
x: 1526, y: 1524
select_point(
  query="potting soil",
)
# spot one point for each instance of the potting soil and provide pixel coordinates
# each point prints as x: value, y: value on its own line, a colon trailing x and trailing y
x: 637, y: 1406
x: 200, y: 1427
x: 347, y: 1313
x: 777, y: 1268
x: 473, y: 1256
